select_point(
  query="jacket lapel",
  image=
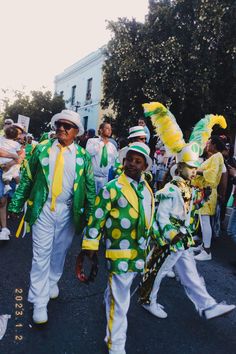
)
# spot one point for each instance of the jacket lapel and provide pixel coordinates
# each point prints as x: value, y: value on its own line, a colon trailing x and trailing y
x: 128, y: 191
x: 44, y: 157
x: 153, y: 206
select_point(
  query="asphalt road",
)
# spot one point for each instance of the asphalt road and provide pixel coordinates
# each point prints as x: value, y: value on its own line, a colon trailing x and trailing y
x: 77, y: 320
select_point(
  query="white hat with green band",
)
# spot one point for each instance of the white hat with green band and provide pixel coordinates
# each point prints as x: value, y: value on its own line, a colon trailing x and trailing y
x: 136, y: 131
x: 141, y: 148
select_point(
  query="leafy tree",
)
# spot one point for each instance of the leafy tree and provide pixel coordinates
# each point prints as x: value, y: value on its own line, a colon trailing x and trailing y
x: 183, y: 55
x: 39, y: 106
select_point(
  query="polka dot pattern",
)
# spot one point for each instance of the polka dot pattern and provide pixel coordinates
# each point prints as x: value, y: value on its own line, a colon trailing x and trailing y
x: 108, y: 223
x: 139, y: 264
x: 116, y: 233
x: 99, y: 213
x: 123, y: 266
x: 122, y: 202
x: 115, y: 213
x: 125, y: 223
x: 45, y: 161
x: 106, y: 194
x: 79, y: 161
x: 97, y: 200
x: 124, y: 244
x: 93, y: 232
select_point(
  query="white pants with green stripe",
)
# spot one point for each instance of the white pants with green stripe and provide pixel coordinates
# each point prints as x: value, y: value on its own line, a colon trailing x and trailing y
x: 117, y: 300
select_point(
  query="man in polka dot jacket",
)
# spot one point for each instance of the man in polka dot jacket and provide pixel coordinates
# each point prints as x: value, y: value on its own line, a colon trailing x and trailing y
x: 124, y: 214
x: 59, y: 188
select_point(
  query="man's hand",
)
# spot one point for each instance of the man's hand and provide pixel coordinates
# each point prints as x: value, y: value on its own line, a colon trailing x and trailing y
x: 80, y: 273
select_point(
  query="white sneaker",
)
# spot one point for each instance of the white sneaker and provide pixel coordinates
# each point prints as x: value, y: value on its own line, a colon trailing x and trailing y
x: 203, y: 256
x: 156, y: 310
x: 218, y: 310
x: 170, y: 274
x: 40, y: 315
x: 4, y: 234
x: 7, y: 188
x: 197, y: 248
x: 54, y: 292
x: 114, y: 351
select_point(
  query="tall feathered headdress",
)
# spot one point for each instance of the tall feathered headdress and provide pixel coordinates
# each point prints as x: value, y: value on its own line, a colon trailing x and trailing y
x: 203, y: 129
x: 172, y: 136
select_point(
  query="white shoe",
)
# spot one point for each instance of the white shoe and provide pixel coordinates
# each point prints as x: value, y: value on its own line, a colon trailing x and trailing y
x: 170, y: 274
x: 156, y: 310
x: 4, y: 234
x: 218, y: 310
x: 54, y: 292
x: 203, y: 256
x: 112, y: 351
x: 40, y: 315
x: 197, y: 248
x: 7, y: 188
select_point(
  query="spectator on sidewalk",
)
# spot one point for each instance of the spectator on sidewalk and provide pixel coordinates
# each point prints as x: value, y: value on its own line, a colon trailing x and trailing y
x: 103, y: 154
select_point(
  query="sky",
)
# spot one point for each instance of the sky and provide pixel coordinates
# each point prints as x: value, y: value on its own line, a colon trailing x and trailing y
x: 40, y: 38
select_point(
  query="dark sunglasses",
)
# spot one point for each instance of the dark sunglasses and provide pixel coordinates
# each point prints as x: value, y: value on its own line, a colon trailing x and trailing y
x: 66, y: 126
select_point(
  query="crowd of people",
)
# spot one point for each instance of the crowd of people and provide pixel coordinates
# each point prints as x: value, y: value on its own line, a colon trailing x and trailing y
x: 156, y: 213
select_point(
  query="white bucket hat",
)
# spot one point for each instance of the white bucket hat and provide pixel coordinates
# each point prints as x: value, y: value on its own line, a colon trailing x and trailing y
x: 141, y: 148
x: 8, y: 121
x: 136, y: 131
x: 70, y: 116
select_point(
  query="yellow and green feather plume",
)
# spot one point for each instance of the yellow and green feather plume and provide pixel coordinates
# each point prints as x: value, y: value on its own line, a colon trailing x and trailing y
x: 165, y: 125
x: 203, y: 129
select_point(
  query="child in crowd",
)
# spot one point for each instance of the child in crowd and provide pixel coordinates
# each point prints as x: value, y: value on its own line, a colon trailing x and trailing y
x: 9, y: 143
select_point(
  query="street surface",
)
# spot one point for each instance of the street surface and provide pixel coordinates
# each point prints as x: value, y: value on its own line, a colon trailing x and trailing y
x: 77, y: 318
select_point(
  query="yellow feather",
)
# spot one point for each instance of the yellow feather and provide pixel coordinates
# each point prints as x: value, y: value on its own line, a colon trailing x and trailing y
x: 166, y: 126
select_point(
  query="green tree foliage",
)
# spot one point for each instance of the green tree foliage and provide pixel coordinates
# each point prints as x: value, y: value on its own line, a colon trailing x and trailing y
x: 183, y: 56
x: 39, y: 106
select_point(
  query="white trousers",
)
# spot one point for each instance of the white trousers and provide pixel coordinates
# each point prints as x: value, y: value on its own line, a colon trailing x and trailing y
x: 117, y: 300
x: 194, y: 285
x: 205, y: 221
x: 52, y: 236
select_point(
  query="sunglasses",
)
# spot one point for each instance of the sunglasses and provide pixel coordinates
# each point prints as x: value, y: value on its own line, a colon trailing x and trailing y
x: 66, y: 126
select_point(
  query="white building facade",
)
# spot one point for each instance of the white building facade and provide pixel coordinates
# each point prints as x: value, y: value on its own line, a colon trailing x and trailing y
x: 81, y: 87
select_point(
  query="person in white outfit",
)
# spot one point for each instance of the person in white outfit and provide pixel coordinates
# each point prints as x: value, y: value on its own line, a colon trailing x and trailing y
x: 178, y: 203
x: 103, y: 154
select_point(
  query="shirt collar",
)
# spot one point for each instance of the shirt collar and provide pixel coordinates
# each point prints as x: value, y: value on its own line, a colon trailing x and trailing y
x: 70, y: 147
x: 132, y: 181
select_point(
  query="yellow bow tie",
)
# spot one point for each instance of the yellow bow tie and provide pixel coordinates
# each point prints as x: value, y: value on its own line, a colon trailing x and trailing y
x: 58, y: 176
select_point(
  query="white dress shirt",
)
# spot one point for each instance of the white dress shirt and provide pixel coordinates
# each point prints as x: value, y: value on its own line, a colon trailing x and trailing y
x: 69, y: 171
x: 94, y: 147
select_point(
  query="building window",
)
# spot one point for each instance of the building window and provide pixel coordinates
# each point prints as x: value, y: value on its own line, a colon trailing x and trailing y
x: 89, y: 89
x: 62, y: 93
x: 85, y: 123
x: 73, y: 89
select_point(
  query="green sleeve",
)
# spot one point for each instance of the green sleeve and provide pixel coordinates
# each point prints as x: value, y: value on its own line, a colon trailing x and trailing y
x: 23, y: 191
